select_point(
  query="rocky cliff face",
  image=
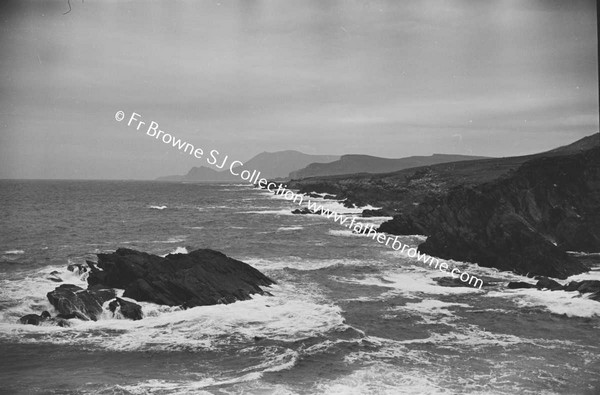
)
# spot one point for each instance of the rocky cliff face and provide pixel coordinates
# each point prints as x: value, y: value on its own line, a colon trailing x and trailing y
x: 349, y: 164
x: 524, y: 221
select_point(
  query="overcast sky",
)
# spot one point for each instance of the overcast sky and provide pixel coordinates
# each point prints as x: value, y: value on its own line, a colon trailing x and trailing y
x: 386, y: 78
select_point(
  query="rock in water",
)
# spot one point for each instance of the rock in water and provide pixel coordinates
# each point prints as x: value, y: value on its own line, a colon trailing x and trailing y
x: 130, y: 310
x: 548, y: 283
x: 72, y: 301
x: 202, y: 277
x: 34, y: 319
x: 520, y: 285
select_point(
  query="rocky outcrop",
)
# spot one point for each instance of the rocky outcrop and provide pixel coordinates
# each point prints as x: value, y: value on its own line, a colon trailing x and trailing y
x: 303, y: 211
x: 380, y: 212
x: 524, y: 222
x: 72, y: 301
x: 583, y: 287
x: 202, y: 277
x: 128, y: 309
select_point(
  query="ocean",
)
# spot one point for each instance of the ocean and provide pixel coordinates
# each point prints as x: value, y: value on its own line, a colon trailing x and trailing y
x: 347, y: 316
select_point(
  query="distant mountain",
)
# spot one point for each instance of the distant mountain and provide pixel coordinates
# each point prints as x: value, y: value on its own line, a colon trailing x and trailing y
x: 282, y: 163
x: 350, y: 164
x: 270, y: 164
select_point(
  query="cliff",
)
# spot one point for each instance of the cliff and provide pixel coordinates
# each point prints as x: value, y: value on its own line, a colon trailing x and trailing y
x: 523, y: 221
x: 349, y: 164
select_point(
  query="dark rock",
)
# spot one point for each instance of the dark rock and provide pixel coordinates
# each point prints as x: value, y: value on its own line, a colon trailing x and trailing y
x: 130, y: 310
x: 73, y: 301
x: 382, y: 212
x: 54, y: 277
x: 202, y: 277
x: 519, y: 285
x: 303, y: 211
x: 586, y: 286
x: 547, y: 283
x: 60, y: 322
x: 34, y: 319
x: 77, y: 268
x: 595, y: 296
x: 523, y: 222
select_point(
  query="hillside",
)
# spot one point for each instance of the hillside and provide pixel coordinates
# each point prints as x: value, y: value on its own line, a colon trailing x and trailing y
x: 400, y: 189
x: 523, y: 222
x: 349, y: 164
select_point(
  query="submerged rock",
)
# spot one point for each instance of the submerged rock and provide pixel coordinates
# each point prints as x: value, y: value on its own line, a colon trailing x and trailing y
x: 72, y: 301
x: 128, y: 309
x: 45, y: 317
x: 202, y: 277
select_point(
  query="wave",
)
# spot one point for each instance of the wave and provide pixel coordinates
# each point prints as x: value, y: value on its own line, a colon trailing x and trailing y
x: 174, y: 239
x: 14, y: 252
x: 292, y: 314
x: 406, y: 281
x: 301, y: 263
x: 570, y: 304
x: 286, y: 228
x: 178, y: 250
x: 158, y: 207
x: 271, y: 212
x: 344, y: 233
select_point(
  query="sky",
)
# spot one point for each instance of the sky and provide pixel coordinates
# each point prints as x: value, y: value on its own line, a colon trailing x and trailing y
x: 384, y: 78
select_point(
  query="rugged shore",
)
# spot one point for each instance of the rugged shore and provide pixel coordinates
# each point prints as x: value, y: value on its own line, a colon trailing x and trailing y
x: 202, y: 277
x: 524, y: 222
x: 520, y: 214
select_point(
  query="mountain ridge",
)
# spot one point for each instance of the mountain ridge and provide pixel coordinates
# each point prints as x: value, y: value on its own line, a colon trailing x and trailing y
x: 358, y: 163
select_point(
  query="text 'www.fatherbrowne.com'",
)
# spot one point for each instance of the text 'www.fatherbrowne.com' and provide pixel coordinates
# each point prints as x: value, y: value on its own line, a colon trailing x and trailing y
x: 153, y: 130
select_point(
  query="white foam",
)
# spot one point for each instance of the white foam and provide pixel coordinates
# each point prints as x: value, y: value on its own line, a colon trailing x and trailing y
x: 344, y: 233
x: 158, y: 207
x: 407, y: 280
x: 270, y: 212
x: 382, y: 378
x: 174, y: 239
x: 571, y: 304
x: 591, y: 275
x: 14, y: 252
x: 291, y: 314
x: 178, y: 250
x: 288, y: 228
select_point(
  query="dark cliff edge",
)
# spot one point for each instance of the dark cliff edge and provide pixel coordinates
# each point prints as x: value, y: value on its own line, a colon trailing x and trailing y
x: 524, y: 222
